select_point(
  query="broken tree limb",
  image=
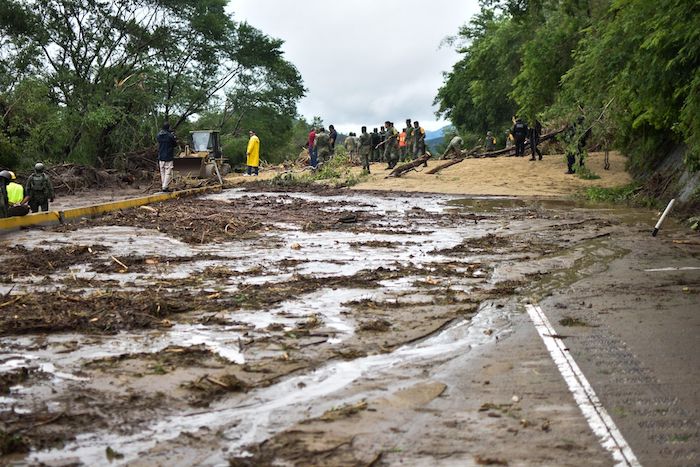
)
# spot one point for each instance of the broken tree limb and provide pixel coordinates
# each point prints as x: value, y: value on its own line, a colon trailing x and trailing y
x: 511, y: 150
x: 402, y: 169
x: 454, y: 161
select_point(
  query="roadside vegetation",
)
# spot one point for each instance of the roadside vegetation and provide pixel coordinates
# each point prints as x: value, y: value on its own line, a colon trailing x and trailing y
x: 87, y: 82
x: 630, y: 67
x: 337, y: 172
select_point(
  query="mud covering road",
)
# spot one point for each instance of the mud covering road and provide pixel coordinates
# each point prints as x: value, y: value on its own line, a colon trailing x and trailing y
x: 345, y: 328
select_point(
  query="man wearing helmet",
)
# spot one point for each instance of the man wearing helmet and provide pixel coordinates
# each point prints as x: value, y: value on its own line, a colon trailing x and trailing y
x: 38, y: 190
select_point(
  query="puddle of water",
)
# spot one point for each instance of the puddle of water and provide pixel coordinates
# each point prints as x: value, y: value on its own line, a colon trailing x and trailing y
x: 260, y: 413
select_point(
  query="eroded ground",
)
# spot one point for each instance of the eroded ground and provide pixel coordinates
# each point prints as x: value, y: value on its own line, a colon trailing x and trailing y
x: 259, y: 327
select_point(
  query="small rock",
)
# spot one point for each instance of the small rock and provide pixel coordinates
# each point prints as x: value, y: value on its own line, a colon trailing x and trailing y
x: 515, y: 399
x: 295, y: 246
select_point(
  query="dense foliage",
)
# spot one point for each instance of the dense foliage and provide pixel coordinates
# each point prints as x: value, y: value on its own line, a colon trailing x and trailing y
x: 632, y: 67
x: 87, y: 80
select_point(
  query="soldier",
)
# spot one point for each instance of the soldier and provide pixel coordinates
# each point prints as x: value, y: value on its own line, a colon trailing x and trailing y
x: 38, y: 190
x: 489, y: 142
x: 350, y: 144
x: 375, y: 140
x: 535, y: 133
x: 455, y: 147
x: 323, y: 145
x: 418, y: 141
x: 382, y: 138
x: 520, y: 132
x: 365, y: 141
x: 391, y: 145
x: 5, y: 178
x: 410, y: 141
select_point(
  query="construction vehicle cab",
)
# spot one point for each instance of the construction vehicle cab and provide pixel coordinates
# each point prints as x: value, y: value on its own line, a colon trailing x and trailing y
x: 200, y: 157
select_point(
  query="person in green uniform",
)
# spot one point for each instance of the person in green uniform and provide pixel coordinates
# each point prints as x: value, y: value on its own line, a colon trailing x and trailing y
x: 38, y: 190
x: 365, y: 148
x: 391, y: 145
x: 323, y: 145
x: 410, y: 141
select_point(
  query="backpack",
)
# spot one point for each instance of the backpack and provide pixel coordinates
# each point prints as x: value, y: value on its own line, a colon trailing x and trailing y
x: 38, y: 184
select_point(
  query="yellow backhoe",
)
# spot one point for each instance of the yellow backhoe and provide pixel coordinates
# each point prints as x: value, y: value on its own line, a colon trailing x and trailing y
x: 201, y: 157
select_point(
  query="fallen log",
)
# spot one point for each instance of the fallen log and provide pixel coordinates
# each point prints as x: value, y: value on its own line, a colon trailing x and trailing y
x: 472, y: 153
x: 454, y: 161
x: 402, y: 169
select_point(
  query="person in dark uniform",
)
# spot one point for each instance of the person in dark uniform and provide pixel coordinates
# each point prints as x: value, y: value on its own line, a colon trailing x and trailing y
x: 535, y: 133
x: 376, y: 153
x: 519, y: 132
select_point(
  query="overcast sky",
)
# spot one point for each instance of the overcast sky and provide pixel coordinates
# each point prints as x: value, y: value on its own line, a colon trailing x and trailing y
x: 364, y: 61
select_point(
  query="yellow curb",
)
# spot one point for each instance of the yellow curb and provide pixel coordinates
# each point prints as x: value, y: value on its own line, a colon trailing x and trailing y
x: 95, y: 210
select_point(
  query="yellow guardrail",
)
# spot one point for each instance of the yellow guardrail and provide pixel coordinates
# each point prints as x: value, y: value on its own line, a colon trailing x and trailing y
x: 52, y: 217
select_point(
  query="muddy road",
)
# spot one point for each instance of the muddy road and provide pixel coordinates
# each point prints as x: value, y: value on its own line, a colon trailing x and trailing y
x: 344, y: 328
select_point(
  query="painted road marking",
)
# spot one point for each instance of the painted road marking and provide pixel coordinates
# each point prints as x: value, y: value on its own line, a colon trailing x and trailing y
x: 598, y: 418
x: 684, y: 268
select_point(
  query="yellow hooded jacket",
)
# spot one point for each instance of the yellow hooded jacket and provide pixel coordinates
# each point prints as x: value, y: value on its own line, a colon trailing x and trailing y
x: 253, y: 151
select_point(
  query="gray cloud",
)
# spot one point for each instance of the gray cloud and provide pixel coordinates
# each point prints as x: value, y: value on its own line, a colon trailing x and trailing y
x: 364, y: 62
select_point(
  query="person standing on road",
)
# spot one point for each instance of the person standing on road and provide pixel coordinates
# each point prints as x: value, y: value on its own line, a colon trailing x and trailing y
x: 410, y: 139
x: 535, y: 133
x: 38, y: 190
x: 418, y: 141
x: 455, y: 147
x: 382, y: 138
x: 252, y: 155
x: 391, y: 145
x: 365, y: 142
x: 351, y: 146
x: 402, y: 145
x: 323, y: 145
x: 374, y: 142
x: 519, y: 132
x: 313, y: 156
x: 166, y: 148
x: 333, y: 137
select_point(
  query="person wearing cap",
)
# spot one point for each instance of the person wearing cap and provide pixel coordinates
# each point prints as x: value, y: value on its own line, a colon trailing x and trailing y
x: 38, y: 190
x: 252, y: 155
x: 5, y: 178
x: 15, y: 196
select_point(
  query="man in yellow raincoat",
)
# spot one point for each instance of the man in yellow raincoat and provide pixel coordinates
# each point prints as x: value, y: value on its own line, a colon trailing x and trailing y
x: 252, y: 155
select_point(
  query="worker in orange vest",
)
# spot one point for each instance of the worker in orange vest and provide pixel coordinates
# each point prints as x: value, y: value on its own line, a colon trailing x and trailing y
x: 402, y: 145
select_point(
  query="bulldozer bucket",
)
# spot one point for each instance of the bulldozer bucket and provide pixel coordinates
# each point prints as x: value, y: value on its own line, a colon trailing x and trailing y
x: 188, y: 166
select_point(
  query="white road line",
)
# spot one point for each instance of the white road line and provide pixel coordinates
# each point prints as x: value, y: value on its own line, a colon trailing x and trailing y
x: 598, y: 419
x: 684, y: 268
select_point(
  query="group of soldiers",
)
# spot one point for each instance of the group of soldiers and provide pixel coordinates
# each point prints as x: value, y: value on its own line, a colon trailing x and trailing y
x: 386, y: 144
x: 18, y: 200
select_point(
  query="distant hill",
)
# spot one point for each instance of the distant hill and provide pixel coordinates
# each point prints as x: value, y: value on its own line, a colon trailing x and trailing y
x: 434, y: 138
x: 439, y: 133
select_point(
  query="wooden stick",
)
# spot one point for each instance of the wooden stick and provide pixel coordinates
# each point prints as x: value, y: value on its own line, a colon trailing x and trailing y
x: 400, y: 170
